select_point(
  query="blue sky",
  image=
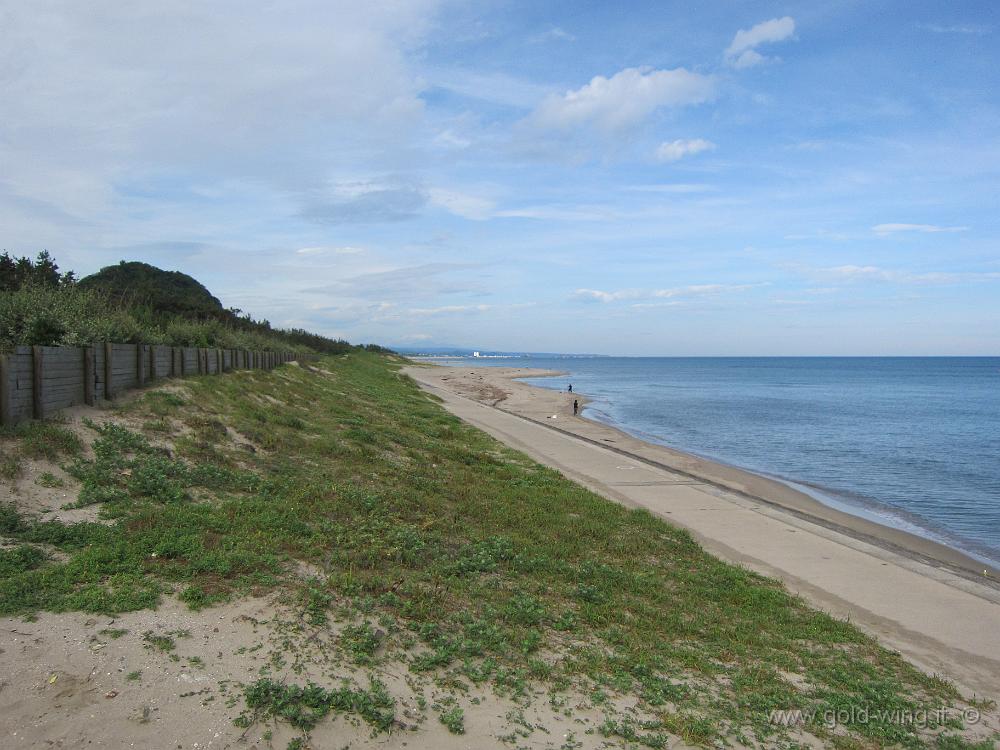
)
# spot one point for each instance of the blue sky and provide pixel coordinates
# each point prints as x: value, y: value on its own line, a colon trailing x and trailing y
x: 717, y: 178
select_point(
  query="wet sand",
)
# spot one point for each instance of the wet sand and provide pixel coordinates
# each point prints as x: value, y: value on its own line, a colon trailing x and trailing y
x: 936, y: 605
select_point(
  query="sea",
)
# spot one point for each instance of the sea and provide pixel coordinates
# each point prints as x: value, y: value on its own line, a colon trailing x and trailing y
x: 909, y: 442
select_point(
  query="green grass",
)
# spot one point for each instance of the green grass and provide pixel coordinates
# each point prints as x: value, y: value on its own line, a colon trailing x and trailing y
x: 481, y: 566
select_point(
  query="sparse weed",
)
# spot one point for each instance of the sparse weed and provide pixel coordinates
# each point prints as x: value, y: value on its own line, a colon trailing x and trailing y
x: 10, y: 465
x: 46, y: 439
x: 50, y: 480
x: 304, y: 707
x: 453, y: 719
x: 159, y: 642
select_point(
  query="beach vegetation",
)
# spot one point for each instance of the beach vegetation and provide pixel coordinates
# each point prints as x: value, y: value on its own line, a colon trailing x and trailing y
x: 480, y: 567
x: 454, y: 719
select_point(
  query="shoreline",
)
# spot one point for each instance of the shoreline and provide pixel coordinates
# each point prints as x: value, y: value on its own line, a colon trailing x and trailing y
x: 835, y: 503
x: 915, y: 596
x: 773, y: 491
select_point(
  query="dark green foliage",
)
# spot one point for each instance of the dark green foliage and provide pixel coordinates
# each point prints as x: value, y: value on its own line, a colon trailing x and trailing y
x: 304, y: 707
x: 16, y: 273
x: 20, y: 559
x: 132, y: 284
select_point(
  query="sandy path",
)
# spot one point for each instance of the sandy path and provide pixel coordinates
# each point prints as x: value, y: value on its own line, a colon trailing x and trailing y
x: 915, y: 596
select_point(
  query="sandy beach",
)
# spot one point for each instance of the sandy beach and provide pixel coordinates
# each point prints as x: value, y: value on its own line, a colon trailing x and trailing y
x: 172, y: 677
x: 936, y: 606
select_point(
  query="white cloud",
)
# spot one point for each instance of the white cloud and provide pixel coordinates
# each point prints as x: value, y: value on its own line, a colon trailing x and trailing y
x: 623, y: 100
x: 674, y: 150
x: 928, y: 228
x: 742, y: 52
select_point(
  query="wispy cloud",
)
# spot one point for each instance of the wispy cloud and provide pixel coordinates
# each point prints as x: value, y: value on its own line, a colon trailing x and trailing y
x: 960, y: 28
x: 559, y: 213
x: 597, y: 295
x: 623, y: 100
x: 673, y: 187
x: 555, y: 34
x: 449, y: 310
x: 499, y: 88
x: 742, y: 52
x: 705, y: 289
x: 323, y: 250
x: 855, y: 273
x: 462, y: 204
x: 692, y: 290
x: 674, y: 150
x: 370, y: 202
x: 406, y: 281
x: 926, y: 228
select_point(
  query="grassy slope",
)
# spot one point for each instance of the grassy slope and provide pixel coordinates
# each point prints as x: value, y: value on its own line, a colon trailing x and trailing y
x: 492, y: 569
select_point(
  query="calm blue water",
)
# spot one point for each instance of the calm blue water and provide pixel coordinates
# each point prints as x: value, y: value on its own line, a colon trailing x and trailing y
x: 911, y: 442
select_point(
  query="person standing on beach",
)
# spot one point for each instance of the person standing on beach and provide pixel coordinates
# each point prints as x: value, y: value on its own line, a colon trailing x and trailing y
x: 570, y: 389
x: 576, y: 407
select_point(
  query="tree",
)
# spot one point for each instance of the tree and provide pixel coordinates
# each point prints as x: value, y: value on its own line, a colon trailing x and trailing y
x: 43, y: 271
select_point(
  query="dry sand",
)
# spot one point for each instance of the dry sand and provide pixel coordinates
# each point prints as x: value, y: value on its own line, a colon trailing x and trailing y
x: 65, y: 684
x: 940, y: 608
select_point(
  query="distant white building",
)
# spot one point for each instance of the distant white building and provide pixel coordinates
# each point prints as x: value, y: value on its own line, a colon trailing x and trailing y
x: 475, y: 354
